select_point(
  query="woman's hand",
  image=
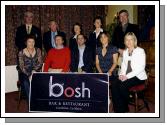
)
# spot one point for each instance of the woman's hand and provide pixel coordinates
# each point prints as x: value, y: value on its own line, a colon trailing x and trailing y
x: 110, y: 73
x: 123, y: 78
x: 55, y: 70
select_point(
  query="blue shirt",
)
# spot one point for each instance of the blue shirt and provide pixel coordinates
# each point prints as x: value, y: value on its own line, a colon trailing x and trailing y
x: 53, y: 34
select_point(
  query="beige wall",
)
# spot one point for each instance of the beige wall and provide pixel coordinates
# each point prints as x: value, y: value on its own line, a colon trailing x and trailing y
x: 113, y: 9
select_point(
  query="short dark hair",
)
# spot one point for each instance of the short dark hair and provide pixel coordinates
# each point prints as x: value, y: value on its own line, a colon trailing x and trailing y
x: 76, y: 24
x: 86, y: 39
x: 30, y: 36
x: 97, y: 18
x: 123, y: 10
x: 58, y: 35
x: 81, y: 35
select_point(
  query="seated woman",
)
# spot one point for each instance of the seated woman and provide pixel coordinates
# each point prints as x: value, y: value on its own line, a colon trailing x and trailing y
x: 106, y: 56
x: 132, y: 73
x: 58, y: 59
x: 30, y: 60
x: 81, y: 57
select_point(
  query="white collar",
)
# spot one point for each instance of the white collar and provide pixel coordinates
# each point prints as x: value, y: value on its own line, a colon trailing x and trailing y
x: 133, y: 49
x: 28, y: 25
x: 101, y: 30
x: 75, y: 36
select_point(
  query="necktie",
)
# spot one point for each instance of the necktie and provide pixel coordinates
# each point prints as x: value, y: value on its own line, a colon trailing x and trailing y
x: 28, y: 29
x: 53, y: 41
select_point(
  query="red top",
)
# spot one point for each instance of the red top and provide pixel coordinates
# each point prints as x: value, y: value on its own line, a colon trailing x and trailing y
x: 58, y: 59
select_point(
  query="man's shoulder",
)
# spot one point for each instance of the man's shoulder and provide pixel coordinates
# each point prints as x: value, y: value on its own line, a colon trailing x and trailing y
x: 47, y: 32
x: 35, y: 27
x: 132, y: 25
x: 61, y: 33
x: 118, y: 27
x: 21, y: 27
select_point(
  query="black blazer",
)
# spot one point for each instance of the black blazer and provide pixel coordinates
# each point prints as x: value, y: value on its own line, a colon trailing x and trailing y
x: 47, y: 40
x: 93, y: 43
x: 73, y: 43
x: 21, y: 34
x: 87, y: 60
x: 118, y: 34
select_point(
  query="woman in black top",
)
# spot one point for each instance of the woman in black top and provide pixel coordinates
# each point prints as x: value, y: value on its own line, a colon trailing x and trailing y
x: 77, y: 29
x: 106, y: 56
x: 94, y: 41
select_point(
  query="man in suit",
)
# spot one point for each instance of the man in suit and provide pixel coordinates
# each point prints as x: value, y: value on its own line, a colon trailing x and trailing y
x: 26, y: 29
x: 81, y: 57
x: 48, y: 37
x: 123, y: 27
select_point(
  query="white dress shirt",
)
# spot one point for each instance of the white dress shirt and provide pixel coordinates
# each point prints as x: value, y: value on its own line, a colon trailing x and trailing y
x: 97, y: 33
x: 53, y: 34
x: 28, y: 28
x: 138, y: 62
x: 81, y: 51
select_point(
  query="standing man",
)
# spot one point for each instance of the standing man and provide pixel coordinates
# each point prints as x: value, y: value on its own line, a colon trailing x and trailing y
x: 123, y: 27
x: 48, y: 37
x: 27, y: 29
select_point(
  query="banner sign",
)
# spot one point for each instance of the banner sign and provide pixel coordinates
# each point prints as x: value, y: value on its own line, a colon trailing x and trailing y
x: 62, y: 92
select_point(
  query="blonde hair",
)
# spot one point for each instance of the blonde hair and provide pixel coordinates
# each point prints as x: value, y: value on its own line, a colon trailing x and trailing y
x: 133, y: 36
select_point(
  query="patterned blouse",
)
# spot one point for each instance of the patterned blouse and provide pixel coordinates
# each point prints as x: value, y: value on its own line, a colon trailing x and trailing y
x: 106, y: 61
x: 28, y: 64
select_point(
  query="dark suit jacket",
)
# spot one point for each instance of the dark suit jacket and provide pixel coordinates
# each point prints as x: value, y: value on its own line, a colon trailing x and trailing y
x: 72, y: 43
x: 93, y: 43
x: 47, y: 40
x: 21, y: 34
x: 118, y: 34
x: 87, y: 60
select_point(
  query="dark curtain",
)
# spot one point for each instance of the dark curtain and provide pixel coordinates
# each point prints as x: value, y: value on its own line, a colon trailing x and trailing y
x: 146, y: 21
x: 65, y: 16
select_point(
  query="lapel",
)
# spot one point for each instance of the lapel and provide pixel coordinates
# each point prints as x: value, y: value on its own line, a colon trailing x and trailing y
x: 32, y: 30
x: 94, y: 35
x: 127, y: 29
x: 49, y: 36
x: 76, y: 53
x: 24, y: 29
x: 84, y: 54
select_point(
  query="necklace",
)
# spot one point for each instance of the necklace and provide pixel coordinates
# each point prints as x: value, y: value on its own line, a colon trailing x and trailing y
x: 30, y: 53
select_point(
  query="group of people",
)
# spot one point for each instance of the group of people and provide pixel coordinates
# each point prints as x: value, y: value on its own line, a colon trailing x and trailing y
x: 95, y: 54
